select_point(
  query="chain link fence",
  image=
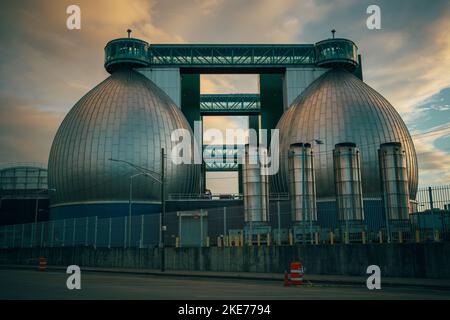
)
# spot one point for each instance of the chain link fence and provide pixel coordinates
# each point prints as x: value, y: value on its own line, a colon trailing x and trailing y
x: 225, y: 226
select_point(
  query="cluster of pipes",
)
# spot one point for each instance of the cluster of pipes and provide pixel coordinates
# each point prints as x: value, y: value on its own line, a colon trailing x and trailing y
x: 347, y: 177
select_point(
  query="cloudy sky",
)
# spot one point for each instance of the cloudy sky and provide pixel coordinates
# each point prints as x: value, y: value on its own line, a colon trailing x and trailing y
x: 45, y: 68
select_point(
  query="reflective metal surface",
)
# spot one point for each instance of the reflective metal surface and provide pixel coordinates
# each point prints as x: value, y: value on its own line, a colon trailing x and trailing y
x: 333, y: 52
x: 302, y: 182
x: 338, y: 107
x: 125, y: 51
x: 394, y: 180
x: 22, y: 178
x: 347, y: 177
x: 126, y: 117
x: 256, y: 188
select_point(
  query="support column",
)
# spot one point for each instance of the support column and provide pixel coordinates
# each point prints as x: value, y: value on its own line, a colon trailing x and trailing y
x: 190, y: 106
x: 271, y: 93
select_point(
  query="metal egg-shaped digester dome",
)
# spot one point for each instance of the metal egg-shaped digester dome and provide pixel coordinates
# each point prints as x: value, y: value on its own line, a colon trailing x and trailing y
x: 339, y: 107
x: 127, y: 118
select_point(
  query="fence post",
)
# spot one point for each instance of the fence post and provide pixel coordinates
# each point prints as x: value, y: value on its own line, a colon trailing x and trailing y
x: 52, y: 234
x: 430, y: 194
x: 64, y: 233
x: 125, y: 232
x: 95, y: 232
x: 32, y: 234
x: 224, y: 221
x: 23, y: 235
x: 73, y: 231
x: 417, y: 236
x: 14, y: 236
x: 109, y: 233
x: 331, y: 237
x: 201, y: 227
x: 42, y: 235
x: 86, y: 235
x: 400, y: 237
x: 141, y: 241
x: 380, y: 236
x: 179, y: 229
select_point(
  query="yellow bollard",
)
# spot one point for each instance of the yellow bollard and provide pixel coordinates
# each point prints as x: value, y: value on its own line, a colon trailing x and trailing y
x: 331, y: 237
x: 316, y: 237
x: 268, y: 239
x: 258, y: 239
x: 207, y: 242
x: 417, y: 236
x: 400, y: 237
x: 291, y: 242
x: 363, y: 237
x: 177, y: 242
x: 380, y: 236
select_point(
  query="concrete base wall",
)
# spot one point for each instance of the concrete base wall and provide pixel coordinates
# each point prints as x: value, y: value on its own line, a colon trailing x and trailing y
x: 395, y: 260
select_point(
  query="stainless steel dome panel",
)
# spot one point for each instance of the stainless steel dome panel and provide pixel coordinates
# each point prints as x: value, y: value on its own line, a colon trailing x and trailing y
x: 125, y: 117
x: 335, y: 108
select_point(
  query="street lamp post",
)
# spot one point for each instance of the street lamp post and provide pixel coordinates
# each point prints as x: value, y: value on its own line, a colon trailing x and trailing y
x: 149, y: 173
x: 130, y: 203
x: 310, y: 210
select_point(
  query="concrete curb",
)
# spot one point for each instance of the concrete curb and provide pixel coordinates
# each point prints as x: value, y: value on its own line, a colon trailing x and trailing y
x: 312, y: 279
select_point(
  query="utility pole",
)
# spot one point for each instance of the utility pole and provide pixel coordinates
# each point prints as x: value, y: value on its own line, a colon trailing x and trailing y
x: 163, y: 211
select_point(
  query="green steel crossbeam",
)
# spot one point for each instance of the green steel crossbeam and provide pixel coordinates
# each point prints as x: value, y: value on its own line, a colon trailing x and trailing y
x: 230, y: 104
x: 207, y: 55
x: 214, y: 157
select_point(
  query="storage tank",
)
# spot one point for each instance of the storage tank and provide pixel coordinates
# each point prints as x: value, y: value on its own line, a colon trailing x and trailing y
x: 335, y: 108
x: 394, y: 180
x: 347, y: 176
x: 256, y: 187
x: 125, y: 118
x: 302, y: 191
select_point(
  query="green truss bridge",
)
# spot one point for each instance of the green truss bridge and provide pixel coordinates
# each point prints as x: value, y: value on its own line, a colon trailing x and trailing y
x: 230, y: 104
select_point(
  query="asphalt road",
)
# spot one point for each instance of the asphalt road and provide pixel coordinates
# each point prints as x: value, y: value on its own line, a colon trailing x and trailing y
x: 30, y: 284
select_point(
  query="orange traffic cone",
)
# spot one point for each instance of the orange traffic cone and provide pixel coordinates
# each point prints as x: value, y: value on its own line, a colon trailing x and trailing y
x: 286, y: 279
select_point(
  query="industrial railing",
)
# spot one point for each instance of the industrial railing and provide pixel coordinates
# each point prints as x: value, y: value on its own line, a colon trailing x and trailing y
x: 225, y: 226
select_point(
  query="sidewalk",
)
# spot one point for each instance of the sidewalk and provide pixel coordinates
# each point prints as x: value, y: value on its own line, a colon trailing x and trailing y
x: 278, y: 277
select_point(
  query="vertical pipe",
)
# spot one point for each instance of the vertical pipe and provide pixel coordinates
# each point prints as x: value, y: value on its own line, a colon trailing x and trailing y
x: 347, y: 176
x: 163, y: 210
x: 256, y: 196
x: 302, y: 184
x: 394, y: 182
